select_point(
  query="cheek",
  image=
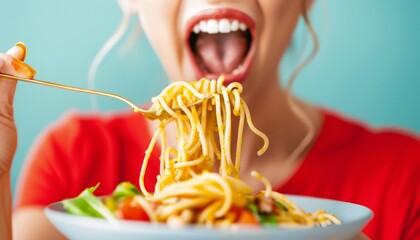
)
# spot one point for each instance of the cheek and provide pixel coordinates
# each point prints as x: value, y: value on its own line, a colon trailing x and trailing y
x: 158, y: 19
x: 279, y: 19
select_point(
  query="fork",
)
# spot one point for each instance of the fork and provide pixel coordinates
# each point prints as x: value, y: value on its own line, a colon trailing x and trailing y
x: 150, y: 114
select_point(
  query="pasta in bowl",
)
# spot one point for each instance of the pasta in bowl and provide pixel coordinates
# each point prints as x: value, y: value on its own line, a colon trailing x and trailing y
x: 353, y: 218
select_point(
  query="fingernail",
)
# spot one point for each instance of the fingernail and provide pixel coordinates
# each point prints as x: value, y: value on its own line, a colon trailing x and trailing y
x: 22, y: 67
x: 23, y: 47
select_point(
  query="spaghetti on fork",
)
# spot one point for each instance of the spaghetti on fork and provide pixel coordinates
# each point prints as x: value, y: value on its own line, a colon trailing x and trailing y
x: 187, y: 189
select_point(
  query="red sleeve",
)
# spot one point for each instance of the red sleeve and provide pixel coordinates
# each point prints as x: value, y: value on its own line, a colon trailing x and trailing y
x: 42, y: 178
x: 83, y: 150
x: 411, y: 168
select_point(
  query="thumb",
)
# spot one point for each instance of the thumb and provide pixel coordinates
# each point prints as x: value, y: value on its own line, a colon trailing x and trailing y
x: 13, y: 62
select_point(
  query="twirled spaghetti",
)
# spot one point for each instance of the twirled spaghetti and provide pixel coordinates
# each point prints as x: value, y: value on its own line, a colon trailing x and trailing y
x: 197, y: 129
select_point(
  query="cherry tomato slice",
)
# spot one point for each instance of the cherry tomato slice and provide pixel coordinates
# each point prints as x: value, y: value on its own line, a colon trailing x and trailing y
x: 244, y: 216
x: 129, y: 209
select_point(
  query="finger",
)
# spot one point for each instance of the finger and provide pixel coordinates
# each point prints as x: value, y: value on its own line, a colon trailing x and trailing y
x: 18, y: 51
x: 13, y: 64
x: 10, y: 63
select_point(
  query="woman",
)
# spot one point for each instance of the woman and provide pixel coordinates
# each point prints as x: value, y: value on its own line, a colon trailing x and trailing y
x: 316, y: 152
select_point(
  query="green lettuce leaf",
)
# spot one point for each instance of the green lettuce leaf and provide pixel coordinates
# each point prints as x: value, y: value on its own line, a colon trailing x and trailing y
x: 125, y: 189
x: 281, y: 206
x: 266, y: 219
x: 87, y: 204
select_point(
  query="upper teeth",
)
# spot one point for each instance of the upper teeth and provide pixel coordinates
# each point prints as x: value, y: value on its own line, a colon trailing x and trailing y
x: 213, y: 26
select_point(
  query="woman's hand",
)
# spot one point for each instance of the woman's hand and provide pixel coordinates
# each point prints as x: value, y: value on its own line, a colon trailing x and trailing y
x: 10, y: 63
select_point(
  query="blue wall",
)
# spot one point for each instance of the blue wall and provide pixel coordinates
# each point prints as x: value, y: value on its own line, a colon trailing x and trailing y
x: 367, y: 66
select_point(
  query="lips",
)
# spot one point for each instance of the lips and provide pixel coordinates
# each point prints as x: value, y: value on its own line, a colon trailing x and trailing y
x: 221, y: 42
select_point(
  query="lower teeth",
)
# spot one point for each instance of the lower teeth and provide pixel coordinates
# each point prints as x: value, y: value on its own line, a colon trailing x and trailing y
x: 238, y: 69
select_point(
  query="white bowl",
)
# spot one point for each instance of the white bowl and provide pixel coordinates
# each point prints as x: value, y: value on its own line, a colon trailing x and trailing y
x: 354, y: 217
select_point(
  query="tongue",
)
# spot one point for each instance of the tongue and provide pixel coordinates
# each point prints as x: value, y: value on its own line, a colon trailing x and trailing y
x: 222, y: 52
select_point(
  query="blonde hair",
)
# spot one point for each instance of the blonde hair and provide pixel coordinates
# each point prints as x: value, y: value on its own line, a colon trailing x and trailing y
x: 296, y: 109
x: 128, y: 8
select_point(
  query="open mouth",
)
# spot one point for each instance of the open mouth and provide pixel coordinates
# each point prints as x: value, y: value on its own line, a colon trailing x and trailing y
x: 221, y: 43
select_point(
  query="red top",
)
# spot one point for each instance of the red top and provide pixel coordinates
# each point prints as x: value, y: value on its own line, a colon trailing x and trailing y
x: 349, y: 162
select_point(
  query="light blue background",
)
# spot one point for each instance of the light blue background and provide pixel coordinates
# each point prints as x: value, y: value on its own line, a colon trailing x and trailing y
x: 367, y: 66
